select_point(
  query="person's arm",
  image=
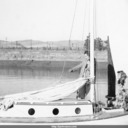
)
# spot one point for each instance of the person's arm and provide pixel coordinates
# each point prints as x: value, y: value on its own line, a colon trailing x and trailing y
x: 75, y: 68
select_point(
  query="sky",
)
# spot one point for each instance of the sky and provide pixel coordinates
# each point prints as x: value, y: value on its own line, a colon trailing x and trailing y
x: 51, y: 20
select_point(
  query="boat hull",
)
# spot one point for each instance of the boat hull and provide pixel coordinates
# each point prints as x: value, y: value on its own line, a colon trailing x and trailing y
x: 57, y: 111
x: 61, y: 113
x: 121, y: 119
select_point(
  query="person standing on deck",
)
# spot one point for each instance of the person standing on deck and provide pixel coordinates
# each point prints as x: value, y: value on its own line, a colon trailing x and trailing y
x: 121, y: 91
x: 84, y: 67
x: 122, y: 77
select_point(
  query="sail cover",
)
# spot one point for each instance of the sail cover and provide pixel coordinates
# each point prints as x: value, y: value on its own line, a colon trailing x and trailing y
x: 111, y: 74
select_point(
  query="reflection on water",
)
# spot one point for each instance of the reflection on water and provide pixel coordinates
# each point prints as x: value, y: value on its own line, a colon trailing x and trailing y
x: 14, y: 80
x: 21, y: 79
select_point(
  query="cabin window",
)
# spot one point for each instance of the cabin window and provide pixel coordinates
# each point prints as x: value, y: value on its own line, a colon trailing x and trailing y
x: 55, y: 111
x: 31, y: 111
x: 77, y: 110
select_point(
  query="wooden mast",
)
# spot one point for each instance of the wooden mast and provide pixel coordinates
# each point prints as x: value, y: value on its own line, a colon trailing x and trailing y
x: 92, y: 49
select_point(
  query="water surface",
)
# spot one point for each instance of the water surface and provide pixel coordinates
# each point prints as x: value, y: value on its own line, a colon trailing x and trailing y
x: 15, y: 80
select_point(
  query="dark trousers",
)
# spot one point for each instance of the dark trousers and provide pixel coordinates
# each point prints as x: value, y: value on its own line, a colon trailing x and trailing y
x: 83, y: 91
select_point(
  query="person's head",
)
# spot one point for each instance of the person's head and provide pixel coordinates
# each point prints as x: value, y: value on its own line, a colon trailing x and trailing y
x: 121, y: 77
x: 87, y: 53
x: 120, y: 71
x: 85, y: 56
x: 119, y: 74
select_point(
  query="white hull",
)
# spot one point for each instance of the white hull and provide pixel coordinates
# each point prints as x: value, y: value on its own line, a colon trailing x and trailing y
x: 121, y: 120
x: 57, y: 111
x: 66, y: 113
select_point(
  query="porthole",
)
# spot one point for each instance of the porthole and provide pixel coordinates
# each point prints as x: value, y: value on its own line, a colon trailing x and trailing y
x: 31, y: 111
x: 77, y: 110
x: 55, y: 111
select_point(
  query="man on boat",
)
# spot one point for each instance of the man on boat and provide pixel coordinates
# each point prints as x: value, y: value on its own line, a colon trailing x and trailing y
x: 84, y: 67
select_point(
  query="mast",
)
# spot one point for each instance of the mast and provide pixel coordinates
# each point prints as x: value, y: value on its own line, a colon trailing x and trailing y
x: 92, y: 97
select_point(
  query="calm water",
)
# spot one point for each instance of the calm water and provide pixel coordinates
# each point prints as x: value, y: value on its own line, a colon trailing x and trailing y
x: 13, y: 80
x: 21, y: 79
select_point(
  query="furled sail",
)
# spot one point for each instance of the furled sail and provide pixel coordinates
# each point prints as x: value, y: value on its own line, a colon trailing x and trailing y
x: 46, y: 95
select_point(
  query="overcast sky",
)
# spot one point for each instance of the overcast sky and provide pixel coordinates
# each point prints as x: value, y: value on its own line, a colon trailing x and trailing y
x: 48, y: 20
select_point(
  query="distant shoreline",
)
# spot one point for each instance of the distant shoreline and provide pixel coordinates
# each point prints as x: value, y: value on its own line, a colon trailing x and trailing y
x: 47, y: 55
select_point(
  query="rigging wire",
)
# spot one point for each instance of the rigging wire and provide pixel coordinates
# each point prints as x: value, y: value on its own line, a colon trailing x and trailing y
x: 69, y: 39
x: 72, y: 23
x: 62, y: 70
x: 88, y: 17
x: 76, y: 2
x: 95, y: 23
x: 84, y: 24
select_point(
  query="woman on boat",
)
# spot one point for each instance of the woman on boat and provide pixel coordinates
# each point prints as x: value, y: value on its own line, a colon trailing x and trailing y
x: 122, y: 92
x: 122, y: 77
x: 84, y: 67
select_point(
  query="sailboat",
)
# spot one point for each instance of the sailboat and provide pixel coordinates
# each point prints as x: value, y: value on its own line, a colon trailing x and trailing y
x: 55, y: 106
